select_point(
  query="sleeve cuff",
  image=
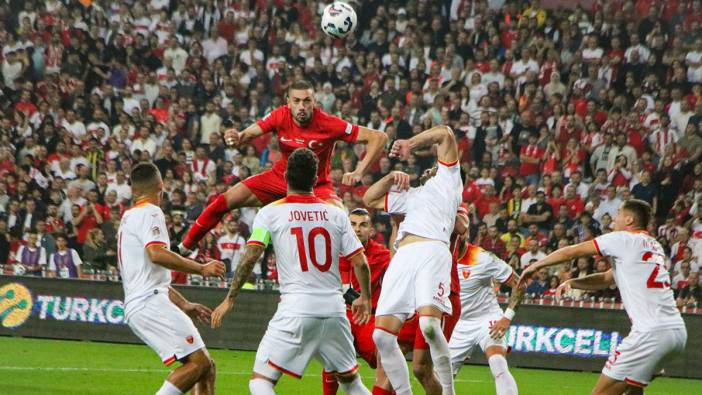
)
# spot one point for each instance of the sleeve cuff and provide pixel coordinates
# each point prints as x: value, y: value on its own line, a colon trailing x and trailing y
x: 155, y: 243
x: 597, y: 247
x: 385, y: 203
x: 353, y: 254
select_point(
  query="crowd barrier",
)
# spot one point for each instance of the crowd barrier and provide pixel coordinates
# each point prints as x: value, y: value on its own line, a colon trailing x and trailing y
x: 552, y: 337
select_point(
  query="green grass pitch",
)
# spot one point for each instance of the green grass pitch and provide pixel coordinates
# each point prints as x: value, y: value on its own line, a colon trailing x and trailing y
x: 34, y: 366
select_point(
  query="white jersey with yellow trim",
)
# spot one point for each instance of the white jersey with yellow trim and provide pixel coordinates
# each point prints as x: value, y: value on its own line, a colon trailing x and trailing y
x: 638, y: 263
x: 477, y: 268
x: 308, y: 236
x: 430, y: 210
x: 141, y: 226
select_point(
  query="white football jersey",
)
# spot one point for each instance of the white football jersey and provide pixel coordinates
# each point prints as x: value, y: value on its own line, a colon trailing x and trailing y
x: 477, y: 269
x: 638, y: 263
x: 430, y: 210
x: 308, y: 236
x: 141, y: 226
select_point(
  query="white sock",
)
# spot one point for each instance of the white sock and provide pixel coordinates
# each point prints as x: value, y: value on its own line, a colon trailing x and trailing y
x: 261, y: 387
x: 168, y: 389
x: 504, y: 382
x: 393, y: 361
x: 440, y: 354
x: 355, y: 387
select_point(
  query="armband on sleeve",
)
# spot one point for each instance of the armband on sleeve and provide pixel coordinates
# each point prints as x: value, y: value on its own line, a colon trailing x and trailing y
x: 259, y: 237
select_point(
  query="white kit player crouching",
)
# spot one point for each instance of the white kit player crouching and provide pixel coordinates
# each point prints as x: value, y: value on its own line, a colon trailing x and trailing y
x: 482, y: 321
x: 308, y: 236
x: 419, y: 276
x: 158, y: 314
x: 638, y: 269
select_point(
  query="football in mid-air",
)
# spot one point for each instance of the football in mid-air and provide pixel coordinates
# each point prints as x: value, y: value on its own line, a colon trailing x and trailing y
x: 338, y: 20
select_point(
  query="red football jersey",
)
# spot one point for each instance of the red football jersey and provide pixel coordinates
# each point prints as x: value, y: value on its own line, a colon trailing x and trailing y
x: 378, y: 260
x: 319, y: 135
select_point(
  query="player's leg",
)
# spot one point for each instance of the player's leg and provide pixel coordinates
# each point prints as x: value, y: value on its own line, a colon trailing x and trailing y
x: 337, y: 354
x: 504, y: 381
x: 430, y: 324
x: 252, y: 192
x: 206, y: 384
x: 423, y: 369
x: 609, y: 386
x: 330, y: 385
x: 195, y: 367
x: 387, y: 328
x: 382, y: 383
x: 262, y: 385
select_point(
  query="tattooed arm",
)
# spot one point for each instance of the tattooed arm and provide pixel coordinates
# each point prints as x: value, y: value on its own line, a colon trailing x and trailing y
x: 251, y: 255
x: 500, y: 327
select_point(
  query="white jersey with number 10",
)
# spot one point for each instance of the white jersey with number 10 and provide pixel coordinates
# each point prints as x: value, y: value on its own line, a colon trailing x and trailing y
x: 308, y: 236
x: 638, y: 263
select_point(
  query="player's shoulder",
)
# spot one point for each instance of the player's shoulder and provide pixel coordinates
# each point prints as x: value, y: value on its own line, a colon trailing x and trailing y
x: 277, y: 114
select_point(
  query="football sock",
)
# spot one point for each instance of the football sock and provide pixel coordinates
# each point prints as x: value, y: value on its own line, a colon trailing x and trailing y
x: 169, y: 389
x: 261, y: 387
x: 504, y: 382
x: 355, y: 387
x: 209, y: 218
x: 393, y: 361
x: 440, y: 355
x: 329, y: 384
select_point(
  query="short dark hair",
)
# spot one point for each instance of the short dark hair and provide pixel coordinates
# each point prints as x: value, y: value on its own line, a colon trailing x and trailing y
x: 301, y: 173
x: 301, y: 85
x: 144, y: 177
x: 641, y: 211
x: 359, y: 211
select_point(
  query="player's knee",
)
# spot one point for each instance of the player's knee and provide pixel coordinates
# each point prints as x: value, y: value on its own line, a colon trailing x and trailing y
x: 422, y: 370
x: 212, y: 370
x: 383, y: 340
x: 346, y: 377
x: 430, y: 327
x: 498, y: 365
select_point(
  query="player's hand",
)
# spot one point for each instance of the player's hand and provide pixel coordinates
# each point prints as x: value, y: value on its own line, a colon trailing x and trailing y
x: 563, y: 288
x: 400, y: 149
x: 361, y: 310
x: 198, y: 311
x: 400, y: 180
x: 499, y: 328
x: 213, y: 269
x: 219, y: 313
x: 232, y: 137
x: 526, y: 275
x: 351, y: 178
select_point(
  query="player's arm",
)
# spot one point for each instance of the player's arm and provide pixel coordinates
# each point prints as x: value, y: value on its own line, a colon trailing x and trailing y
x: 375, y: 141
x: 162, y: 256
x: 515, y: 300
x: 243, y: 271
x: 361, y: 306
x: 193, y: 310
x: 593, y: 282
x: 441, y: 135
x: 234, y: 137
x: 586, y: 248
x: 375, y: 195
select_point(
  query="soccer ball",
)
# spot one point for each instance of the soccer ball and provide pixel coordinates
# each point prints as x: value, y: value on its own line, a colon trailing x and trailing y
x: 338, y: 20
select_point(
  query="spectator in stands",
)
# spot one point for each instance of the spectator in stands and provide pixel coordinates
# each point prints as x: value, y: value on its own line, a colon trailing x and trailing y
x: 31, y: 255
x: 65, y: 262
x: 540, y: 284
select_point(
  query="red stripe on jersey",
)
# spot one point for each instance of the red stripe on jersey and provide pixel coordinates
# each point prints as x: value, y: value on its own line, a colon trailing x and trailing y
x: 169, y: 360
x: 597, y: 247
x: 308, y: 199
x: 283, y: 370
x: 634, y: 383
x: 352, y: 370
x: 353, y: 254
x: 385, y: 205
x: 155, y: 243
x: 509, y: 278
x: 255, y: 243
x: 448, y: 164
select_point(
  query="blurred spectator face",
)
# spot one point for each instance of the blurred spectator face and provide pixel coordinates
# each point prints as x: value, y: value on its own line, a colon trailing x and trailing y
x: 512, y: 226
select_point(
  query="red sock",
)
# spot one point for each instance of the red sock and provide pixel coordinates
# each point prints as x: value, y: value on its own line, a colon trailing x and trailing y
x: 209, y: 218
x: 329, y: 384
x: 379, y: 391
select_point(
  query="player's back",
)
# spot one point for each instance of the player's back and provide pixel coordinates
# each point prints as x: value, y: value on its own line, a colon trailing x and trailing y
x: 430, y: 210
x: 308, y: 236
x: 477, y: 269
x: 638, y: 263
x: 141, y: 226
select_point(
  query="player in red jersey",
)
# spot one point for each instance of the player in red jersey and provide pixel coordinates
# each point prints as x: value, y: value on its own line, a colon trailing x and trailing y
x: 298, y: 124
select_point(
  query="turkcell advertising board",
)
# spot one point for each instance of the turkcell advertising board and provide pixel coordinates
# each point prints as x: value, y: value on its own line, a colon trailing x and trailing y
x: 543, y: 337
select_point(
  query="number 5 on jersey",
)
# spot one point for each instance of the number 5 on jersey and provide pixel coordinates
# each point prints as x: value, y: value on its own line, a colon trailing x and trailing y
x: 302, y: 250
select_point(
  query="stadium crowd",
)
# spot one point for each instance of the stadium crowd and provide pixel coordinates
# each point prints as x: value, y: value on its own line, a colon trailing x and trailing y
x: 561, y: 115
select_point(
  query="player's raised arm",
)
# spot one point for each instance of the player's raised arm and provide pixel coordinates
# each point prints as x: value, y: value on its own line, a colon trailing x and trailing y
x: 375, y: 195
x: 375, y: 141
x: 593, y: 282
x: 361, y: 307
x: 442, y: 135
x: 234, y: 137
x: 160, y: 255
x: 251, y: 255
x: 586, y: 248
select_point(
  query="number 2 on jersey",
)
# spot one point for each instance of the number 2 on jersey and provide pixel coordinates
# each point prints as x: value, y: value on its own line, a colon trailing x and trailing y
x: 302, y: 251
x: 659, y: 269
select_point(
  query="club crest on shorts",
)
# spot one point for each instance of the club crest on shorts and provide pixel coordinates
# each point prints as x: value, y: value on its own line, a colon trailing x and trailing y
x: 189, y: 339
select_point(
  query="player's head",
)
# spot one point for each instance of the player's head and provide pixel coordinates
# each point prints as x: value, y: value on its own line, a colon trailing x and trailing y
x: 146, y: 181
x: 301, y: 101
x: 427, y: 174
x: 61, y: 241
x: 633, y: 214
x: 361, y: 223
x: 301, y: 173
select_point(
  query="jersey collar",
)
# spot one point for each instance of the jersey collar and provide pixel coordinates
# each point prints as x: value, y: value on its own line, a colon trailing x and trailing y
x: 307, y: 199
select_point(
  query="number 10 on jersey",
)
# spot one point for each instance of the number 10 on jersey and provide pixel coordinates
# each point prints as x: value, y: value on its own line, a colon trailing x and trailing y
x: 311, y: 238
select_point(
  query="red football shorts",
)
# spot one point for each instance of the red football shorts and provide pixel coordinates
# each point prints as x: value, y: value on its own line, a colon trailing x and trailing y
x: 363, y: 339
x: 269, y: 187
